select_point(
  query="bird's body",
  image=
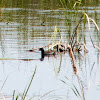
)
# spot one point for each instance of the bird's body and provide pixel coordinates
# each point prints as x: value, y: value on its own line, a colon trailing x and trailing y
x: 46, y: 53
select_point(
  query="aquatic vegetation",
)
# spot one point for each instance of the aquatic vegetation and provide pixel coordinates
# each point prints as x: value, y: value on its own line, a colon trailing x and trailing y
x: 76, y: 43
x: 23, y: 96
x: 2, y: 10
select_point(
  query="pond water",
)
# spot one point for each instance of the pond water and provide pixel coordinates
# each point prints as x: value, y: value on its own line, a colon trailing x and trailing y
x: 26, y: 25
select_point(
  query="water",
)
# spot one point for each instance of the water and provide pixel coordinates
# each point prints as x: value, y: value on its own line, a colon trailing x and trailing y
x: 30, y: 25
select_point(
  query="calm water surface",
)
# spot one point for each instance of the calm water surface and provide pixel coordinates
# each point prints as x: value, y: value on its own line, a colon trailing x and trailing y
x: 24, y: 28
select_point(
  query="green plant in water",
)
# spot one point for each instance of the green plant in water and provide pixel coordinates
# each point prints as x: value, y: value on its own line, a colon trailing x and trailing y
x: 76, y: 92
x: 2, y: 5
x: 68, y: 6
x: 77, y: 5
x: 23, y: 97
x: 26, y: 90
x: 54, y: 36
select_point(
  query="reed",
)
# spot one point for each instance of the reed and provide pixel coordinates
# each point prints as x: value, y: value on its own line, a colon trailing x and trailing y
x: 74, y: 41
x: 26, y: 90
x: 54, y: 35
x: 76, y: 92
x: 2, y: 12
x: 70, y: 5
x: 13, y: 95
x: 73, y: 59
x: 23, y: 96
x: 2, y: 96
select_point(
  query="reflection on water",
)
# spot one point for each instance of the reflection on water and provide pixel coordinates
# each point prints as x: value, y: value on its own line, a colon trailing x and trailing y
x: 30, y: 25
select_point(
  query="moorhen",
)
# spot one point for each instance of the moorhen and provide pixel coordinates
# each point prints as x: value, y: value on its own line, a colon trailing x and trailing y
x: 46, y: 53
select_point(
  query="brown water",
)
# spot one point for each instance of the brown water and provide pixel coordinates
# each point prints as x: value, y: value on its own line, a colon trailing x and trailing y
x: 26, y: 25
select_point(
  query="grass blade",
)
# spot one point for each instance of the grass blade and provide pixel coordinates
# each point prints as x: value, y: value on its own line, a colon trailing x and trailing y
x: 26, y: 91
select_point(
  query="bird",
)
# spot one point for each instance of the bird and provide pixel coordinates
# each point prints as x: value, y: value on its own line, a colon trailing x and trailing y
x: 46, y: 53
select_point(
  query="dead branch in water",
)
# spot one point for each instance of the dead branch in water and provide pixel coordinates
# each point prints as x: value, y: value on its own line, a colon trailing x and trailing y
x: 73, y: 59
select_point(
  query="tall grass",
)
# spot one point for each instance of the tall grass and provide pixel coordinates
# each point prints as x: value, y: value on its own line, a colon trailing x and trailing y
x: 71, y: 7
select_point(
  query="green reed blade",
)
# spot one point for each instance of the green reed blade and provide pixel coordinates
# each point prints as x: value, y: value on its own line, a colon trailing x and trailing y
x: 26, y: 91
